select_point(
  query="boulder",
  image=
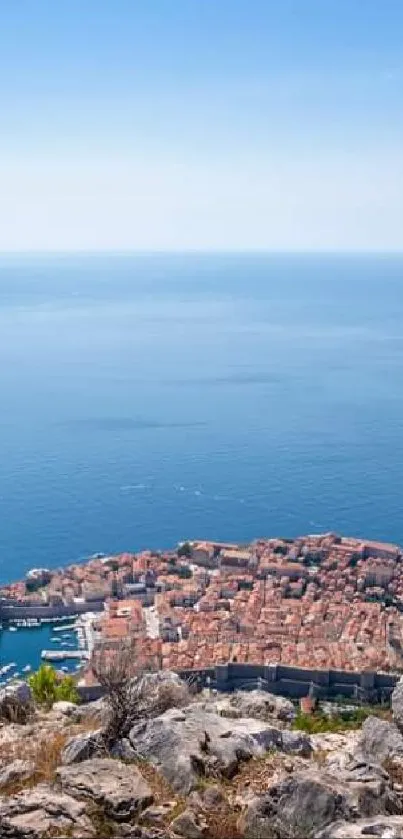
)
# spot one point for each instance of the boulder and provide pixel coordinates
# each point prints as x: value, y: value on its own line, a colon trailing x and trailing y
x: 208, y: 798
x: 263, y: 706
x: 118, y: 788
x: 189, y: 824
x: 82, y: 747
x: 380, y: 827
x: 253, y: 704
x: 191, y: 743
x: 98, y: 711
x: 156, y: 814
x: 379, y: 740
x: 304, y: 803
x: 18, y: 770
x: 42, y: 811
x: 352, y: 767
x: 16, y: 702
x: 64, y: 708
x: 397, y: 705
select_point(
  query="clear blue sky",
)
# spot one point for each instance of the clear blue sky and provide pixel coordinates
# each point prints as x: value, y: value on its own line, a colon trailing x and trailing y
x: 201, y: 124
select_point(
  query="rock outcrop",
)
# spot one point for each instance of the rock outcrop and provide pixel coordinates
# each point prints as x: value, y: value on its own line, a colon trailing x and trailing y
x: 82, y: 747
x: 16, y: 702
x: 306, y: 802
x: 16, y: 771
x: 380, y: 827
x: 116, y: 787
x: 379, y: 739
x: 193, y: 765
x: 253, y: 704
x: 191, y: 743
x: 397, y: 705
x: 42, y: 811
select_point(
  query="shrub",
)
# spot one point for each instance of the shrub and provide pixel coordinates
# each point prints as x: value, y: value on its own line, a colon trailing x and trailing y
x: 185, y: 550
x: 131, y: 693
x: 319, y: 723
x: 47, y: 687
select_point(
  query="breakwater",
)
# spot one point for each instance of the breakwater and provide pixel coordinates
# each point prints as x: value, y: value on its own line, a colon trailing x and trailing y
x: 282, y: 680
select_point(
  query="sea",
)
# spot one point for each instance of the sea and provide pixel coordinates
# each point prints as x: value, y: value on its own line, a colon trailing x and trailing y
x: 152, y: 398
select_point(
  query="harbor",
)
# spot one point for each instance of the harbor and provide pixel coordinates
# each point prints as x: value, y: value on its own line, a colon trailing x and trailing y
x: 26, y: 642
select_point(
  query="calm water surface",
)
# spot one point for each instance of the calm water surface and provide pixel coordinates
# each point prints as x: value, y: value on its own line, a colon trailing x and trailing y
x: 146, y: 399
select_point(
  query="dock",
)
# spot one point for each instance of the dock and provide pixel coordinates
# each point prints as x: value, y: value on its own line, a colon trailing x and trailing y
x: 62, y: 655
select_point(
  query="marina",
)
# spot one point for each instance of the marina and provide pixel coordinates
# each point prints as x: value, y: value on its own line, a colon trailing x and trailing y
x: 27, y: 642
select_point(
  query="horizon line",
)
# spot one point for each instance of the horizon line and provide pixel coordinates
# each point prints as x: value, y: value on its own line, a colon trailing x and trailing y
x: 201, y: 252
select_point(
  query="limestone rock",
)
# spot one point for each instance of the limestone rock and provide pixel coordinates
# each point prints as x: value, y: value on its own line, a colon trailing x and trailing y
x: 41, y: 811
x: 379, y: 739
x: 253, y: 704
x: 380, y: 827
x: 16, y: 702
x: 118, y: 788
x: 18, y: 770
x: 191, y: 743
x: 64, y: 708
x: 98, y: 711
x: 263, y: 706
x: 156, y: 814
x: 189, y: 824
x: 212, y: 796
x: 306, y: 802
x: 81, y: 747
x: 397, y: 704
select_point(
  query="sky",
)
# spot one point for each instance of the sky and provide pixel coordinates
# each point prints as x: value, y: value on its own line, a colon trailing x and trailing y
x: 201, y: 125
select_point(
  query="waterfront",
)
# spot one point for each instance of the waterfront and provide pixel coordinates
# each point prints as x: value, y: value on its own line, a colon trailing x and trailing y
x: 24, y: 647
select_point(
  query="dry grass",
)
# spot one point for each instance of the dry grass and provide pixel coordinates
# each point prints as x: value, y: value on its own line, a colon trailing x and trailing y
x: 320, y: 756
x: 394, y: 768
x: 44, y: 753
x: 161, y: 789
x: 256, y: 774
x: 222, y: 823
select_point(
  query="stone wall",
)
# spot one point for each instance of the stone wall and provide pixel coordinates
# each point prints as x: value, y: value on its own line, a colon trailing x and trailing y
x: 292, y: 682
x: 15, y: 612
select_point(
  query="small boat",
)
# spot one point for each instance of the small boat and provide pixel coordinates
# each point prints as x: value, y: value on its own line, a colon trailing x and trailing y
x: 13, y: 629
x: 27, y: 668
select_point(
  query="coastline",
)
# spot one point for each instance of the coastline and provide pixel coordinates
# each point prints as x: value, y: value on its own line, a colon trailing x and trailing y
x: 320, y: 601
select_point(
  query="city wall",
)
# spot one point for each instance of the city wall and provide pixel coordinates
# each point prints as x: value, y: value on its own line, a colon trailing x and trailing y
x: 292, y: 682
x: 16, y: 612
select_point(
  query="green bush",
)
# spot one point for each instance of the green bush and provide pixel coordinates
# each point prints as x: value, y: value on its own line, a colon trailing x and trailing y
x: 47, y: 687
x: 319, y: 723
x: 185, y: 550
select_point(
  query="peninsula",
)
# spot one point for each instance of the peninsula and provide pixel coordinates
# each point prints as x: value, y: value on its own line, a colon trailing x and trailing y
x: 317, y: 601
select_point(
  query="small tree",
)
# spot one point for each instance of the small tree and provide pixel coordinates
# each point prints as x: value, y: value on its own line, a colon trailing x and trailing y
x: 47, y: 687
x: 131, y: 692
x: 185, y: 549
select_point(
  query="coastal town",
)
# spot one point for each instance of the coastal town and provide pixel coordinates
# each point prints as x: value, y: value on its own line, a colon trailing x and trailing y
x: 318, y: 601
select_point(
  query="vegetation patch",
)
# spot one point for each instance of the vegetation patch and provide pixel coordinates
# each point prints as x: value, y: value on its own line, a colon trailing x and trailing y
x: 45, y: 754
x: 47, y: 687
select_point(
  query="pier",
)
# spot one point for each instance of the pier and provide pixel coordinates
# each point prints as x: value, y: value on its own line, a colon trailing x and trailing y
x: 62, y: 655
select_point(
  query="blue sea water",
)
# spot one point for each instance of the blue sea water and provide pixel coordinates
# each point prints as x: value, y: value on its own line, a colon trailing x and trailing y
x: 151, y: 398
x: 24, y: 647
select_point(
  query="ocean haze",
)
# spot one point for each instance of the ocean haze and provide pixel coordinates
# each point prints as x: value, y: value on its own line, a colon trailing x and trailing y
x: 151, y: 398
